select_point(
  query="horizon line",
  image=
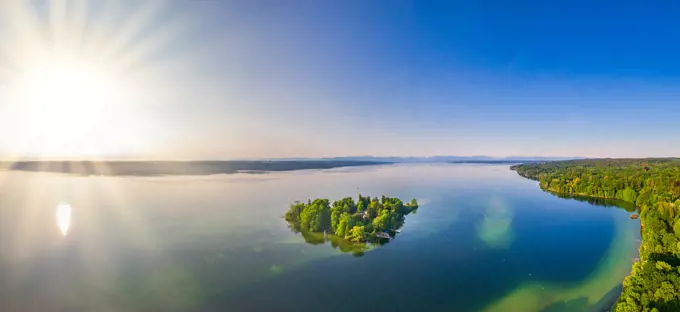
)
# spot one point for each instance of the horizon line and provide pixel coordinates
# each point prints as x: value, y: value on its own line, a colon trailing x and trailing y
x: 476, y: 157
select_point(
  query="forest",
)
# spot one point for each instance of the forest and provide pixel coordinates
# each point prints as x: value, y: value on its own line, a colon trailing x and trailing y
x: 361, y: 221
x: 653, y: 185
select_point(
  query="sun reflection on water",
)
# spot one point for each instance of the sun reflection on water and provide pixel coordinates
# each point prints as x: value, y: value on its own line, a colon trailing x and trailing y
x: 64, y: 218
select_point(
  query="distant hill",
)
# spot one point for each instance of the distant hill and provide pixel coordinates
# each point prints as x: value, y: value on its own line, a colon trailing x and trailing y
x: 152, y: 168
x: 442, y: 159
x: 497, y: 161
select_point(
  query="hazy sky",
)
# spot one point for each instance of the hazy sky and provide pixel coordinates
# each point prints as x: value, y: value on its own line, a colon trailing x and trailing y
x: 233, y: 79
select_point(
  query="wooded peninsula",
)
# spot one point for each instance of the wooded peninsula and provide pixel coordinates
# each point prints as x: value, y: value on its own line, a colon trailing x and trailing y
x: 365, y: 220
x: 653, y: 185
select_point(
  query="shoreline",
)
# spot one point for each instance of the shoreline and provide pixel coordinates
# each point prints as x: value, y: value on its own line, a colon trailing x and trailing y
x: 613, y: 299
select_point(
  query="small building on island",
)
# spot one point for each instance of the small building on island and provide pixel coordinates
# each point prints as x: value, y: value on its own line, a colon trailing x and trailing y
x: 383, y: 235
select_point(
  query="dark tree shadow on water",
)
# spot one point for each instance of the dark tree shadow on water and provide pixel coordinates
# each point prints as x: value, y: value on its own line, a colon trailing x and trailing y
x: 597, y: 201
x: 581, y: 304
x: 343, y: 245
x: 313, y: 238
x: 574, y: 305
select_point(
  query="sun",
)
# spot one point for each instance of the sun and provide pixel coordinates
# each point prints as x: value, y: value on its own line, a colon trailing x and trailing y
x: 65, y: 103
x: 72, y: 86
x: 66, y: 90
x: 84, y: 79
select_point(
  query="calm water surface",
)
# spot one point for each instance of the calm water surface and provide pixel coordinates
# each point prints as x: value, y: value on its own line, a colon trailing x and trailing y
x: 484, y: 239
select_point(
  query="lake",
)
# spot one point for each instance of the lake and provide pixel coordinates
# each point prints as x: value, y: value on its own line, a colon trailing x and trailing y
x: 484, y: 239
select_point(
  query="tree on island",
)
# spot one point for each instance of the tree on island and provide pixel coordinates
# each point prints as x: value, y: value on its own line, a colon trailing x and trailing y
x: 354, y: 221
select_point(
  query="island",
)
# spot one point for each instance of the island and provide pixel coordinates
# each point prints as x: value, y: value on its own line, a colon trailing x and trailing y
x: 653, y: 186
x: 366, y: 220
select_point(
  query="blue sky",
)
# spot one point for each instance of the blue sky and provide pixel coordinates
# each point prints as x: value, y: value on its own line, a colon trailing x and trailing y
x: 334, y: 78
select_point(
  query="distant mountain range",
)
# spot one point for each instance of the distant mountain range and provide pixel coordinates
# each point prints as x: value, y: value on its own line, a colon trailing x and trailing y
x: 430, y: 159
x: 151, y: 168
x: 155, y: 168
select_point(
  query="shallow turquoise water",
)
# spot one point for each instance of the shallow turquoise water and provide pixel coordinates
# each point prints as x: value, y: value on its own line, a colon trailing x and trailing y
x: 484, y: 239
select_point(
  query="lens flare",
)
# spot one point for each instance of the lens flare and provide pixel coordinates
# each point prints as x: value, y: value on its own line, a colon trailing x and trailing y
x: 64, y: 218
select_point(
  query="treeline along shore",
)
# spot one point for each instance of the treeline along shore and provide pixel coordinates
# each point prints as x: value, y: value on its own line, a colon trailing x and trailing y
x: 653, y: 186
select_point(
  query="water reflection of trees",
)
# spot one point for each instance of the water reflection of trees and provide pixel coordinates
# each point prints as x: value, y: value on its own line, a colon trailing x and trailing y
x: 598, y: 201
x: 338, y: 243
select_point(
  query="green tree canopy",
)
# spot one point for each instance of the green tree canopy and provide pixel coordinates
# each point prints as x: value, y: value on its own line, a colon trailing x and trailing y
x: 653, y: 185
x: 357, y: 221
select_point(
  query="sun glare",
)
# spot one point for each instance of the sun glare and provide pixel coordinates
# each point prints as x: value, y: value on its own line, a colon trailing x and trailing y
x: 64, y: 102
x: 74, y: 76
x: 67, y: 84
x: 66, y: 90
x: 64, y: 218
